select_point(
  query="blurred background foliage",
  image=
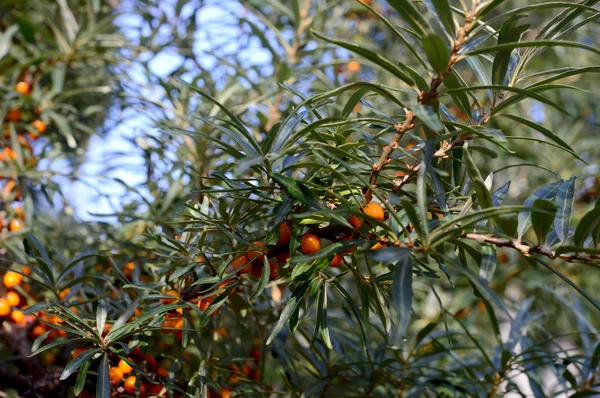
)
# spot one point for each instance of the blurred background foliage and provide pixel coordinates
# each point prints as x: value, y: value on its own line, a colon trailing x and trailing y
x: 113, y: 171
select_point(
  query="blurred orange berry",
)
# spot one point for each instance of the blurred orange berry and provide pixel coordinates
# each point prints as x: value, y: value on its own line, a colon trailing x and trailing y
x: 310, y: 243
x: 13, y: 298
x: 125, y: 367
x: 12, y: 279
x: 256, y: 255
x: 285, y: 234
x: 115, y: 374
x: 22, y: 87
x: 353, y: 66
x: 4, y: 307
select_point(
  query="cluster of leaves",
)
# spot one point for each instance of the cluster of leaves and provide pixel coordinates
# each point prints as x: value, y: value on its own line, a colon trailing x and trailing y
x: 419, y: 305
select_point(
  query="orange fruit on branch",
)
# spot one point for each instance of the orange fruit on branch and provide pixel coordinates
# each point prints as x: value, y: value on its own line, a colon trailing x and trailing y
x: 285, y: 234
x: 22, y: 87
x: 115, y: 374
x: 374, y: 210
x: 310, y: 243
x: 12, y: 278
x: 256, y: 255
x: 242, y: 262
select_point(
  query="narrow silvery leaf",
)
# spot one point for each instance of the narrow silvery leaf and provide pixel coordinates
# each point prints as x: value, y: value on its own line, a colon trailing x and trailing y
x: 564, y: 202
x: 428, y: 116
x: 422, y: 199
x: 542, y: 220
x: 101, y: 314
x: 402, y: 292
x: 547, y: 192
x: 499, y: 194
x: 103, y: 382
x: 488, y: 262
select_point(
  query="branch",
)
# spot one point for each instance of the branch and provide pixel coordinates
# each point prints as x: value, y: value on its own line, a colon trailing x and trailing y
x: 387, y: 151
x: 526, y: 250
x: 424, y: 98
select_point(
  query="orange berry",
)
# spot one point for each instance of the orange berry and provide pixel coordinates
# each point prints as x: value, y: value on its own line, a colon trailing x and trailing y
x: 310, y: 243
x: 13, y: 115
x: 205, y: 303
x: 26, y: 270
x: 225, y: 392
x: 64, y: 293
x: 22, y: 87
x: 285, y: 234
x: 124, y: 366
x: 129, y: 384
x: 17, y: 316
x: 162, y: 372
x: 353, y: 66
x: 256, y: 352
x: 12, y: 279
x: 172, y: 293
x: 355, y: 222
x: 4, y: 307
x: 38, y: 330
x: 39, y: 126
x: 336, y: 260
x: 13, y: 298
x: 374, y: 210
x: 256, y: 255
x: 242, y: 262
x: 115, y: 374
x: 15, y: 225
x: 377, y: 246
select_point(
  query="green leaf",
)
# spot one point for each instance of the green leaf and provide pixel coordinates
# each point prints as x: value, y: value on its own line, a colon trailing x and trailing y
x: 411, y: 15
x: 428, y: 116
x: 483, y: 194
x: 452, y: 81
x: 437, y: 52
x: 297, y: 190
x: 508, y: 33
x: 76, y: 363
x: 81, y: 378
x: 487, y: 7
x: 488, y: 262
x: 322, y: 314
x: 264, y: 279
x: 588, y: 223
x: 542, y: 220
x: 412, y: 216
x: 544, y: 131
x: 422, y: 200
x: 371, y: 56
x: 524, y: 219
x: 402, y: 291
x: 103, y: 382
x: 564, y: 202
x: 442, y: 7
x: 536, y: 43
x: 290, y: 307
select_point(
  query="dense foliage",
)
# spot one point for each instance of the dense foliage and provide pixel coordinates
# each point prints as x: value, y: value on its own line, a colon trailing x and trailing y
x: 313, y: 198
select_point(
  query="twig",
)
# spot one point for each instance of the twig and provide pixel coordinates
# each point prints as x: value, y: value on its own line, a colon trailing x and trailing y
x: 526, y: 250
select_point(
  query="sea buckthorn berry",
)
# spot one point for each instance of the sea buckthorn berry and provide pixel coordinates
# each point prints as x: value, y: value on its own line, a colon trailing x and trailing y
x: 205, y: 303
x: 310, y: 243
x: 12, y: 279
x: 38, y: 330
x: 256, y: 255
x: 17, y: 316
x: 129, y: 384
x: 225, y: 392
x: 162, y: 372
x: 39, y: 126
x: 22, y: 87
x: 4, y: 307
x: 374, y: 210
x: 377, y: 246
x: 125, y: 367
x: 355, y: 222
x: 115, y: 374
x: 15, y: 225
x: 353, y: 66
x: 13, y: 298
x: 13, y: 115
x: 242, y: 262
x: 336, y: 260
x: 172, y: 293
x: 285, y: 234
x: 64, y: 293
